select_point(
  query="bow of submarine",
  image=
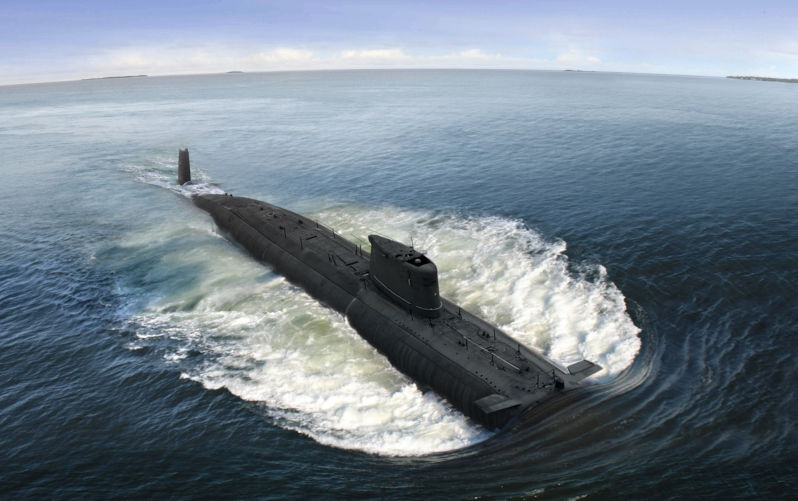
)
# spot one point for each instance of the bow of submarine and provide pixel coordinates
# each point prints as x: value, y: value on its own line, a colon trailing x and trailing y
x: 390, y: 297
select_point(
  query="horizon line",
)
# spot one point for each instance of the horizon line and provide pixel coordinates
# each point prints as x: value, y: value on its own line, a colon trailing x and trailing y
x: 319, y: 70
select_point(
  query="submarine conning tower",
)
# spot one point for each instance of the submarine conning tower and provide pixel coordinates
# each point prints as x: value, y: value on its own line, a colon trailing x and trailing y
x: 405, y: 275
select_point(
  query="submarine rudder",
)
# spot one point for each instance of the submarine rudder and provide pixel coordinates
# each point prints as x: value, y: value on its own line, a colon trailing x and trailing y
x: 183, y: 167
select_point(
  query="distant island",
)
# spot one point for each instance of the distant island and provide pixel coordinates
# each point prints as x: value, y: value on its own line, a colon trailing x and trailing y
x: 120, y: 76
x: 766, y: 79
x: 235, y: 71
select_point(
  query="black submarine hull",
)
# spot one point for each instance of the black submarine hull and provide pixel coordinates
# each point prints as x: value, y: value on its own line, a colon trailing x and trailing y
x: 476, y: 367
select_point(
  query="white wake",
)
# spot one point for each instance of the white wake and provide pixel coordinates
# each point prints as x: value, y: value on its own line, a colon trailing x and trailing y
x: 268, y: 342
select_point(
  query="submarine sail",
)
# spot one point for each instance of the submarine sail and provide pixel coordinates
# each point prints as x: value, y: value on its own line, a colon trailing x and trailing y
x: 390, y: 296
x: 405, y: 275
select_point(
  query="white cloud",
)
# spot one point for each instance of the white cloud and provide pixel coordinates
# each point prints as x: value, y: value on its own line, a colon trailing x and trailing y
x: 209, y: 58
x: 478, y: 54
x: 376, y: 54
x: 281, y: 55
x: 369, y: 58
x: 201, y: 59
x: 576, y: 56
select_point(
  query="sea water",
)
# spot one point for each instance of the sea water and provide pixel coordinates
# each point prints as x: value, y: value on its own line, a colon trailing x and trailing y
x: 646, y: 223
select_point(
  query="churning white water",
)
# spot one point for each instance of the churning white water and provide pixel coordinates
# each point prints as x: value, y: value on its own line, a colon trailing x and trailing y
x: 228, y: 321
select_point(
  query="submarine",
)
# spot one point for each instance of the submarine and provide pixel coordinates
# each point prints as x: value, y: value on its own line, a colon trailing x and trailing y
x: 390, y: 296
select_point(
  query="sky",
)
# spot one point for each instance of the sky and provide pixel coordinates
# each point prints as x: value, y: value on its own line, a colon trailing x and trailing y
x: 51, y: 40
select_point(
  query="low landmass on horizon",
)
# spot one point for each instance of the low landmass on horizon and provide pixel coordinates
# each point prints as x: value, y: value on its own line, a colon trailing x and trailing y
x: 765, y: 79
x: 117, y: 76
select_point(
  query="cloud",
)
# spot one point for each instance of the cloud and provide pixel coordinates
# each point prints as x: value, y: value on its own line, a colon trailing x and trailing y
x: 575, y: 56
x: 375, y: 54
x: 370, y: 58
x: 188, y: 58
x: 200, y: 59
x: 281, y: 55
x: 208, y: 59
x: 478, y: 54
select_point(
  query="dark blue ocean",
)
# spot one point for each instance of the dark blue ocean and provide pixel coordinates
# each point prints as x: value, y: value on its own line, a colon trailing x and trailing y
x: 647, y: 223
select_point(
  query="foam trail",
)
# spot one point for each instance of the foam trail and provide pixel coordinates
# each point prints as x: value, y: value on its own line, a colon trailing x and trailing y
x: 227, y: 321
x: 267, y: 341
x: 162, y: 172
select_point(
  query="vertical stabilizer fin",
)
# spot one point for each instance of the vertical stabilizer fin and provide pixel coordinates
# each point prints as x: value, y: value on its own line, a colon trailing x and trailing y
x: 183, y: 168
x: 583, y: 369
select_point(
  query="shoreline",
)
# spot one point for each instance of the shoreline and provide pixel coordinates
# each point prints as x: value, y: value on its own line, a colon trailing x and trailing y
x: 765, y: 79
